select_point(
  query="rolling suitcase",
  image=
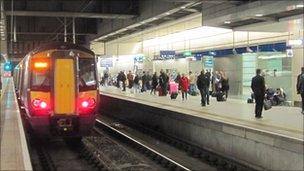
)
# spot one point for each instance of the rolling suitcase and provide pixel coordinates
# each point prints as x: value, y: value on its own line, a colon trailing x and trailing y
x: 220, y: 97
x: 173, y: 96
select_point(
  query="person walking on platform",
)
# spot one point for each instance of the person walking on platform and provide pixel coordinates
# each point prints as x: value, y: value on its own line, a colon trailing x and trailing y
x: 202, y: 85
x: 184, y: 84
x: 136, y: 83
x: 148, y: 82
x: 163, y: 82
x: 130, y: 79
x: 208, y: 77
x: 154, y: 83
x: 123, y: 80
x: 300, y: 87
x: 144, y: 82
x: 192, y: 81
x: 258, y: 88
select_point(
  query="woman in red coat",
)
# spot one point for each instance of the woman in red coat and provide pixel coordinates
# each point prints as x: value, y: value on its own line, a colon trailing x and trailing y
x: 184, y: 84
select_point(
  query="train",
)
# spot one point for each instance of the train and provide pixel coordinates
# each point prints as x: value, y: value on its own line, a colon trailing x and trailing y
x: 56, y: 85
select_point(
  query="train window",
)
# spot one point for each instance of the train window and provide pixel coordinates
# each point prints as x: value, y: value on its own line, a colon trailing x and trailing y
x: 40, y: 81
x: 87, y: 75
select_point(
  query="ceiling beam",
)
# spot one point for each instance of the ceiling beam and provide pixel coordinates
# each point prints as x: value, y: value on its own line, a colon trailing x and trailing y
x: 69, y: 14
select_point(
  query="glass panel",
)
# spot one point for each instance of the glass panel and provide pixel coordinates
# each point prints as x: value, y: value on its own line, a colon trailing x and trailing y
x: 40, y: 81
x: 87, y: 78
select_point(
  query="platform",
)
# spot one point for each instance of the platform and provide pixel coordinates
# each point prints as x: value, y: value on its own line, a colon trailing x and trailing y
x: 14, y: 150
x: 282, y: 120
x: 229, y: 128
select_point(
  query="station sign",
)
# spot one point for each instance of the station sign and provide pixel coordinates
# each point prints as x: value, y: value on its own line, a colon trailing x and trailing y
x: 208, y: 61
x: 139, y: 59
x: 167, y: 54
x: 187, y: 53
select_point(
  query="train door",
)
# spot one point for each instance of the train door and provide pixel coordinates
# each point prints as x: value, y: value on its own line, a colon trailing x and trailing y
x: 64, y: 86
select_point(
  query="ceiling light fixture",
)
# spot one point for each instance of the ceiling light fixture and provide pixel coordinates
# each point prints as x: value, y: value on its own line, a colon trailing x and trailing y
x: 258, y: 15
x: 154, y: 18
x: 299, y: 6
x: 227, y: 22
x: 167, y: 13
x: 183, y: 7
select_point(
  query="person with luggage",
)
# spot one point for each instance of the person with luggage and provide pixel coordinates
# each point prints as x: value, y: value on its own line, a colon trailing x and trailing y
x: 130, y: 79
x: 300, y: 87
x: 184, y: 84
x: 258, y: 88
x: 173, y: 90
x: 154, y: 83
x: 202, y: 85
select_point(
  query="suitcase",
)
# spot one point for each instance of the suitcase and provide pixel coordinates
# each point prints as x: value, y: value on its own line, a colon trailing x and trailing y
x: 173, y: 87
x: 193, y: 93
x: 249, y: 100
x: 220, y: 97
x: 160, y: 92
x: 173, y: 96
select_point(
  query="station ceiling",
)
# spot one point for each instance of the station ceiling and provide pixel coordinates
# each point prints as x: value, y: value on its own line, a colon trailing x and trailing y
x: 40, y: 21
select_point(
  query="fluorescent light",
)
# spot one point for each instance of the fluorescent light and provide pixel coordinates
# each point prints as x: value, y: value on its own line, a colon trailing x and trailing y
x: 258, y: 15
x: 154, y: 18
x: 167, y: 13
x: 183, y: 7
x: 299, y: 6
x: 227, y: 22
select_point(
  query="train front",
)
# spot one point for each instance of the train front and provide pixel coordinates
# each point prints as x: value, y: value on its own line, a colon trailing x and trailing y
x: 63, y: 92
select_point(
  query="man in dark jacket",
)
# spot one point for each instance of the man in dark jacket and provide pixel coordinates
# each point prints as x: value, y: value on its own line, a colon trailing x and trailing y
x: 208, y: 75
x: 258, y: 88
x: 202, y: 84
x: 300, y: 87
x: 123, y: 80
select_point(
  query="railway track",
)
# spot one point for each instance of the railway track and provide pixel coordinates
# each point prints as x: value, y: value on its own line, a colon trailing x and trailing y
x: 171, y: 152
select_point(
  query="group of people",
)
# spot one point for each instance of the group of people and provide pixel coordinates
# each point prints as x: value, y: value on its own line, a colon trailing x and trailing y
x: 218, y: 81
x: 191, y: 84
x: 261, y: 93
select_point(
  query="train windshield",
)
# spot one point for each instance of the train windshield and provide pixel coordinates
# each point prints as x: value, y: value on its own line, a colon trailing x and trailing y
x: 40, y: 80
x: 40, y: 77
x: 87, y: 75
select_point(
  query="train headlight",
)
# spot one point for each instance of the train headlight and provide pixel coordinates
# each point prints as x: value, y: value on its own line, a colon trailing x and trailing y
x: 87, y: 105
x: 39, y: 104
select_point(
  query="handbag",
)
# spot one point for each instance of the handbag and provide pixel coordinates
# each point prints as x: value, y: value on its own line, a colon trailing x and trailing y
x: 267, y: 104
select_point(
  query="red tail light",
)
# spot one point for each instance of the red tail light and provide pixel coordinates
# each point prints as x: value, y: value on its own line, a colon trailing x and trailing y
x: 87, y: 105
x: 40, y: 106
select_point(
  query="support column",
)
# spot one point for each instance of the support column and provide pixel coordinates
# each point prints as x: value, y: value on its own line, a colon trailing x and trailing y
x: 74, y: 36
x: 65, y: 30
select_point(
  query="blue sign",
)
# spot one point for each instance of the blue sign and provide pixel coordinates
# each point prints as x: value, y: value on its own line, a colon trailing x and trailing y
x: 139, y: 59
x: 167, y: 54
x: 106, y: 62
x: 208, y: 61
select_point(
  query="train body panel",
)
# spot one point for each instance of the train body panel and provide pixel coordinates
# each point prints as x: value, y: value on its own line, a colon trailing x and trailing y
x: 57, y: 86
